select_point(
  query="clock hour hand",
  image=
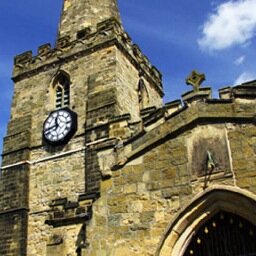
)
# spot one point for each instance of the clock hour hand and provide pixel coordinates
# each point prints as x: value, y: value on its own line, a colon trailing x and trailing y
x: 47, y: 131
x: 51, y: 127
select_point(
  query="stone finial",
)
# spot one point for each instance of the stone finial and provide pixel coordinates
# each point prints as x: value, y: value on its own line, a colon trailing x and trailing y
x: 195, y: 79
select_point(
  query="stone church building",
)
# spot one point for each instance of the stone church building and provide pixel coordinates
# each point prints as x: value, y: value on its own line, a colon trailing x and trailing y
x: 95, y: 164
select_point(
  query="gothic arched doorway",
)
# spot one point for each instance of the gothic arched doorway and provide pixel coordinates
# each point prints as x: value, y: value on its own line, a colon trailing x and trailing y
x: 219, y: 205
x: 225, y: 234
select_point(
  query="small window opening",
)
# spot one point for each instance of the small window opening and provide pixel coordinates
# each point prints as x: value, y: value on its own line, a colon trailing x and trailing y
x: 62, y: 91
x: 81, y: 34
x: 143, y: 96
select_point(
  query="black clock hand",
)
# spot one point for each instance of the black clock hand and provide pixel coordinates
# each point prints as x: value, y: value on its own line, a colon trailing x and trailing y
x: 50, y: 128
x: 56, y: 125
x: 56, y: 121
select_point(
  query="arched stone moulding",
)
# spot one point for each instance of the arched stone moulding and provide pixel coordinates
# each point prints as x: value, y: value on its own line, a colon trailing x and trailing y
x: 54, y: 84
x: 206, y: 204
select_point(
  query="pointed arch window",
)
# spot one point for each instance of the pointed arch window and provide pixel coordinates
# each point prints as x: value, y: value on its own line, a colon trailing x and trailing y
x: 143, y: 95
x: 62, y: 91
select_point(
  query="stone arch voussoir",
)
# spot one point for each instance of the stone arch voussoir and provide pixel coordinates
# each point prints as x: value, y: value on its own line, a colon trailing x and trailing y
x: 219, y: 198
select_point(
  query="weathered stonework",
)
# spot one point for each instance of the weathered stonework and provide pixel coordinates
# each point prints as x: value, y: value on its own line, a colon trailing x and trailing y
x: 150, y: 187
x: 85, y: 14
x: 138, y: 176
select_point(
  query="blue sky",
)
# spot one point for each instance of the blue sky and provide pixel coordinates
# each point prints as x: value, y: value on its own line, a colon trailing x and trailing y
x: 214, y: 37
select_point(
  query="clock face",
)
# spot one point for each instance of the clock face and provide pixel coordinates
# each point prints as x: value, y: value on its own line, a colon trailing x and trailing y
x: 60, y: 126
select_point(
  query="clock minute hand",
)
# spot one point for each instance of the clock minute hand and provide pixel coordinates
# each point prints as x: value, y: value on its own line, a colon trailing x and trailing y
x: 51, y: 127
x: 56, y: 121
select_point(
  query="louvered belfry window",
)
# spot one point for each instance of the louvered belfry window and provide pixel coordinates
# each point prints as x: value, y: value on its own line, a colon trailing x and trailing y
x: 62, y: 87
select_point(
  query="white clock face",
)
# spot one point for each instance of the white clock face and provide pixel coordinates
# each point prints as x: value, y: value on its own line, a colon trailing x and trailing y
x: 57, y: 125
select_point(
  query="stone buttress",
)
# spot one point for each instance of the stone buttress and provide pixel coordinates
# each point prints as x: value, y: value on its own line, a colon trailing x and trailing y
x: 137, y: 175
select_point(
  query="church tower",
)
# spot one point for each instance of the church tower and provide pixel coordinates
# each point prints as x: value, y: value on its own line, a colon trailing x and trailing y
x: 91, y: 86
x: 94, y: 164
x: 78, y: 15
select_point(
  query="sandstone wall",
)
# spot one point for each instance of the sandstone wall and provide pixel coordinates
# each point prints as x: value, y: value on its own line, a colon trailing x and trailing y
x: 140, y: 200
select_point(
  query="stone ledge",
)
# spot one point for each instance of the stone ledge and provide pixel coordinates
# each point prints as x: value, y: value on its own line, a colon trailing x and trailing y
x: 187, y: 118
x: 147, y: 111
x: 59, y: 222
x: 89, y: 196
x: 11, y: 211
x: 218, y: 101
x: 109, y: 33
x: 244, y: 91
x: 225, y: 93
x: 174, y: 103
x: 193, y: 96
x: 154, y: 116
x: 63, y: 212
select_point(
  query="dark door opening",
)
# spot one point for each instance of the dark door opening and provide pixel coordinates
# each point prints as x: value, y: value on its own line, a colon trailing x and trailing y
x: 225, y: 234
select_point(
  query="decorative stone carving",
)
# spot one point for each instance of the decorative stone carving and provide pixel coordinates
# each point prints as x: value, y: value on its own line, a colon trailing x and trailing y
x: 63, y: 42
x: 44, y: 49
x: 195, y: 79
x: 23, y: 58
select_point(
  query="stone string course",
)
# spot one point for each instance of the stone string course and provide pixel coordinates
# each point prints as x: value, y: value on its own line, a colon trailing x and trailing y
x: 134, y: 168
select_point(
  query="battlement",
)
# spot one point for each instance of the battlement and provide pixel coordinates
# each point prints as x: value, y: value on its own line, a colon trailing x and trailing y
x: 117, y: 142
x: 243, y: 91
x: 240, y: 98
x: 109, y: 32
x: 130, y: 176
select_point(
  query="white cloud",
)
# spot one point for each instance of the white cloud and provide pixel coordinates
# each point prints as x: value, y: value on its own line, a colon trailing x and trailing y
x: 239, y: 60
x: 245, y: 77
x: 232, y: 23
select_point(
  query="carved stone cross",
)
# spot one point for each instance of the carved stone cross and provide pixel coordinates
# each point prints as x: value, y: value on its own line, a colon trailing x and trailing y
x: 195, y: 79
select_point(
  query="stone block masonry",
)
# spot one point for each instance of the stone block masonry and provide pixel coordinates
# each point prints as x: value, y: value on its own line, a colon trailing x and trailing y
x: 138, y: 177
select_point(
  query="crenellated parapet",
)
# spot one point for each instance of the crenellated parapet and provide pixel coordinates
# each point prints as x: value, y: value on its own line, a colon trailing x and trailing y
x: 244, y: 91
x: 94, y: 163
x: 180, y: 149
x: 122, y: 128
x: 109, y: 32
x: 120, y: 141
